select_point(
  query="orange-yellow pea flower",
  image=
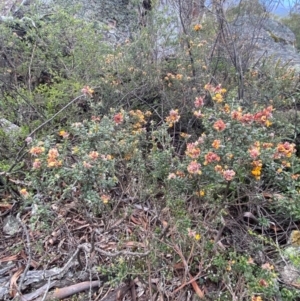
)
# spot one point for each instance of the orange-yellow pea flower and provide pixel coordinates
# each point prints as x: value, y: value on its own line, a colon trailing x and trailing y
x: 216, y: 143
x: 219, y: 125
x: 194, y: 168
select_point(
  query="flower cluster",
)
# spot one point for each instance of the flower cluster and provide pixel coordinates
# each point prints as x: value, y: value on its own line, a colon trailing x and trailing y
x: 261, y: 117
x: 93, y: 155
x: 172, y: 118
x: 219, y: 125
x: 216, y: 143
x: 197, y: 27
x: 254, y: 150
x: 194, y: 168
x: 86, y: 90
x: 24, y: 193
x: 36, y: 150
x: 211, y: 157
x: 52, y: 158
x: 199, y: 102
x: 139, y: 120
x: 118, y: 118
x: 256, y: 169
x: 284, y: 150
x: 63, y: 134
x: 217, y: 93
x: 192, y: 150
x: 227, y: 174
x: 105, y: 198
x: 170, y: 77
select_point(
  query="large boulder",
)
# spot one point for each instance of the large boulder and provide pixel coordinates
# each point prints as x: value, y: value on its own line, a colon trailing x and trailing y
x: 265, y: 38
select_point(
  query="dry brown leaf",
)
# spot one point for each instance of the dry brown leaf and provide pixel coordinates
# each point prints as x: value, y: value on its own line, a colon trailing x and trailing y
x: 13, y: 287
x: 197, y: 289
x: 79, y: 222
x: 135, y: 220
x: 263, y: 282
x: 267, y: 266
x: 82, y: 227
x: 131, y: 244
x: 271, y: 196
x: 9, y: 258
x: 178, y: 266
x: 165, y: 224
x: 5, y: 206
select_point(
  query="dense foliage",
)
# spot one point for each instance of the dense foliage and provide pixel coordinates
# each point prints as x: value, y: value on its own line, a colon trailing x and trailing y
x: 103, y: 125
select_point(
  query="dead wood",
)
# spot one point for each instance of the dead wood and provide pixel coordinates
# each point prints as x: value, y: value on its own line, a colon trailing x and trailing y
x: 62, y: 292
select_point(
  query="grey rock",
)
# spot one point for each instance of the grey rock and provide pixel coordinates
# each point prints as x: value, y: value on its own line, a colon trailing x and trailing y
x: 290, y: 270
x: 267, y: 39
x: 8, y: 127
x: 11, y: 225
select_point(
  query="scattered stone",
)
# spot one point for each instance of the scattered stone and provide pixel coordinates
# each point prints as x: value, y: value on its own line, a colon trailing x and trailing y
x: 11, y: 225
x: 8, y: 127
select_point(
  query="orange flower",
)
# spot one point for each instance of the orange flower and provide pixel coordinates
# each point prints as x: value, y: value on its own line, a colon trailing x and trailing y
x: 118, y: 118
x: 95, y: 118
x: 197, y: 27
x: 263, y: 116
x: 53, y: 153
x: 216, y: 144
x: 93, y: 155
x: 267, y: 266
x: 295, y: 176
x: 236, y: 115
x: 256, y: 171
x: 199, y: 102
x: 194, y: 168
x: 180, y: 173
x: 254, y: 152
x: 36, y: 164
x: 63, y: 134
x: 211, y: 157
x: 219, y: 169
x: 198, y: 114
x: 173, y: 117
x: 86, y: 90
x: 286, y: 163
x: 185, y: 135
x: 267, y: 145
x: 285, y: 149
x: 37, y: 150
x: 246, y: 118
x: 228, y: 174
x: 192, y: 151
x: 219, y: 125
x: 218, y: 98
x: 105, y: 198
x: 24, y: 193
x: 171, y: 176
x: 52, y: 158
x: 226, y: 108
x: 54, y: 163
x: 87, y: 165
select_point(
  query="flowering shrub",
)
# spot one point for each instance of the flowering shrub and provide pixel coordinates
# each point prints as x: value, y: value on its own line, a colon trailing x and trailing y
x: 192, y: 157
x: 236, y: 157
x: 236, y: 149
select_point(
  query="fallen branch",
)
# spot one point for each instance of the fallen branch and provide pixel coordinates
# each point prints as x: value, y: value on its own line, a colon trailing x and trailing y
x: 60, y: 293
x: 123, y: 252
